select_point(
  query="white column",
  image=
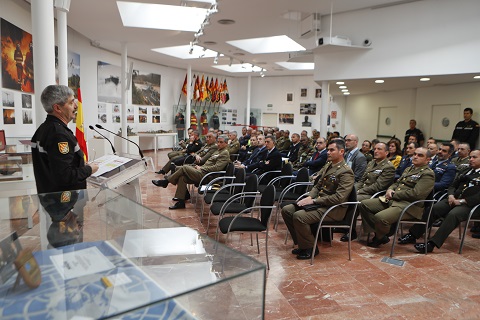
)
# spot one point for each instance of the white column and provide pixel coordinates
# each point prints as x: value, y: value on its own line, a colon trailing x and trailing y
x: 123, y: 112
x: 189, y: 97
x: 62, y: 47
x: 325, y: 109
x: 43, y: 51
x: 249, y: 97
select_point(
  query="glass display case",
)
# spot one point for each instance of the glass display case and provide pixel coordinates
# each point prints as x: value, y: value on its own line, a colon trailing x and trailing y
x: 102, y: 255
x: 10, y: 168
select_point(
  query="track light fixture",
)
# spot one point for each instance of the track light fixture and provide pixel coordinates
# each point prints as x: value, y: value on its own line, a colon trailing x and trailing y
x: 213, y: 9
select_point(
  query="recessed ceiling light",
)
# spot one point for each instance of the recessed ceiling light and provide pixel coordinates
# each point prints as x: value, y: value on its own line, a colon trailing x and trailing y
x: 226, y: 21
x: 476, y: 77
x: 182, y: 52
x: 340, y: 82
x: 238, y: 68
x: 160, y: 16
x: 344, y: 90
x: 342, y: 87
x: 267, y: 45
x: 424, y: 79
x: 297, y: 65
x: 379, y: 81
x: 346, y: 93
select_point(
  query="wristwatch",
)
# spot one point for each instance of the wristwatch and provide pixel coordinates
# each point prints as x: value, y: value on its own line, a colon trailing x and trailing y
x: 462, y: 201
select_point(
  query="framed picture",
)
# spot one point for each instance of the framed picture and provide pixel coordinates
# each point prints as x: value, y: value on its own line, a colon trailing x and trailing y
x: 318, y: 93
x: 303, y: 92
x: 290, y: 97
x: 3, y: 141
x: 308, y: 108
x: 285, y: 118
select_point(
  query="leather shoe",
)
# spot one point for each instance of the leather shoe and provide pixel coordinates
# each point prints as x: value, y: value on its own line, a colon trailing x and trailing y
x: 173, y: 168
x: 179, y: 205
x: 297, y: 251
x: 406, y: 239
x: 475, y: 229
x: 421, y: 247
x: 160, y: 183
x: 346, y: 236
x: 306, y: 254
x: 187, y: 197
x: 375, y: 243
x: 160, y: 172
x: 476, y: 235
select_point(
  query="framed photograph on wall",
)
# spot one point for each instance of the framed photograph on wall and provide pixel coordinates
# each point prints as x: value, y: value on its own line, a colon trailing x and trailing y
x: 3, y: 140
x: 308, y: 108
x: 318, y: 93
x: 285, y: 118
x: 290, y: 97
x: 303, y: 93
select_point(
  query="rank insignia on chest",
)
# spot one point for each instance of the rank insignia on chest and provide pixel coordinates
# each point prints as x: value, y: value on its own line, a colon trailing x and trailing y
x: 63, y: 147
x: 66, y: 196
x: 415, y: 177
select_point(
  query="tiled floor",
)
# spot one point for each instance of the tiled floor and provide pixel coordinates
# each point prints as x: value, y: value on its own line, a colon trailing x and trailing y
x: 441, y: 285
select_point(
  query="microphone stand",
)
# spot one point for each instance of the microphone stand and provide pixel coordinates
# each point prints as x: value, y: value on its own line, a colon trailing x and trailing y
x: 113, y: 149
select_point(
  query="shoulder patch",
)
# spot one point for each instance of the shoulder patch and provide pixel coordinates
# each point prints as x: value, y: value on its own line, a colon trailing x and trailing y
x: 63, y: 147
x: 66, y: 196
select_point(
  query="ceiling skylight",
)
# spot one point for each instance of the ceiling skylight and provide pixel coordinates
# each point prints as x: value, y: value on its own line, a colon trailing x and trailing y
x: 160, y: 16
x: 267, y: 45
x: 238, y: 68
x: 297, y: 65
x: 182, y: 52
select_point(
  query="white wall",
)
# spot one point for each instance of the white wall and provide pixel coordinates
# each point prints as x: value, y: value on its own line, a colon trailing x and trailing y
x: 428, y: 37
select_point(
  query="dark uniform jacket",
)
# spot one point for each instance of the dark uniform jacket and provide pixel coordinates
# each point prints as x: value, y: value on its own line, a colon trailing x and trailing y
x: 467, y: 132
x: 467, y: 186
x: 462, y: 165
x: 404, y: 164
x: 377, y: 177
x: 58, y: 162
x: 194, y: 146
x: 257, y: 155
x: 414, y: 184
x: 334, y: 185
x: 292, y: 153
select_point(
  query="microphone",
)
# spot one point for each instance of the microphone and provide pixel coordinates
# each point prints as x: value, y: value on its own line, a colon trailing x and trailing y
x: 113, y: 149
x: 139, y: 150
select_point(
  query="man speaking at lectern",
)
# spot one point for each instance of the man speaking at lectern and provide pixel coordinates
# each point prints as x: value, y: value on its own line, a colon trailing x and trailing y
x: 58, y: 162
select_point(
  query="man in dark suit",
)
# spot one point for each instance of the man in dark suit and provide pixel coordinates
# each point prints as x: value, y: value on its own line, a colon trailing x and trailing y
x: 273, y: 160
x: 259, y: 154
x: 354, y: 157
x: 463, y: 195
x: 292, y: 153
x: 319, y: 157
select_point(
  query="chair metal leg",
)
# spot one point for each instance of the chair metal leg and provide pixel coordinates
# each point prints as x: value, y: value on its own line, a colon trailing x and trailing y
x: 266, y: 249
x: 394, y: 238
x: 464, y: 235
x: 258, y: 244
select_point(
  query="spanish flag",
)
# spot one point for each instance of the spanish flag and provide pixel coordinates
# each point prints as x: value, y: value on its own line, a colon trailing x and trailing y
x: 80, y: 131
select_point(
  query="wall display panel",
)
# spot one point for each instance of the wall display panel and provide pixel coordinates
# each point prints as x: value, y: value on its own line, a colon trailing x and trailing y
x: 387, y: 124
x: 443, y: 120
x: 145, y: 88
x: 270, y: 119
x: 285, y: 118
x: 308, y: 108
x: 17, y: 58
x: 109, y: 82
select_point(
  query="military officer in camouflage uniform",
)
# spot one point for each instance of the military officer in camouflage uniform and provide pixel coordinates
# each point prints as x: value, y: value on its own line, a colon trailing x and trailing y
x: 234, y: 144
x: 284, y: 143
x: 415, y: 184
x: 462, y: 161
x: 189, y: 174
x: 334, y: 186
x: 463, y: 195
x: 378, y: 176
x: 304, y: 153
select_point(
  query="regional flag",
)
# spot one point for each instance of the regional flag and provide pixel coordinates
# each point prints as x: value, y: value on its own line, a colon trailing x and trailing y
x: 203, y: 89
x: 184, y: 87
x: 80, y: 131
